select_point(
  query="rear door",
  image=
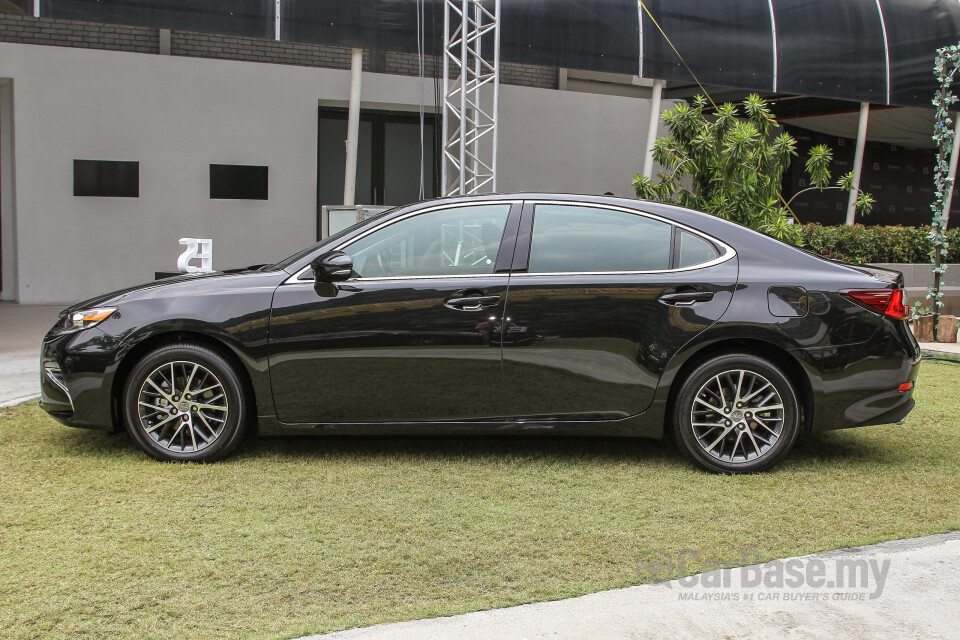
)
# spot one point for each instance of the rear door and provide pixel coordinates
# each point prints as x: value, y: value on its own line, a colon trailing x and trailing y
x: 413, y: 336
x: 600, y: 299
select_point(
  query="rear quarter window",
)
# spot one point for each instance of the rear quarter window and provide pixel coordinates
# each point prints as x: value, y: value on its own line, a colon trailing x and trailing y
x: 694, y: 250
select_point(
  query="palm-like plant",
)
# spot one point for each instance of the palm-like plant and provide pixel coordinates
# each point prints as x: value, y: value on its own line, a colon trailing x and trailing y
x: 731, y: 165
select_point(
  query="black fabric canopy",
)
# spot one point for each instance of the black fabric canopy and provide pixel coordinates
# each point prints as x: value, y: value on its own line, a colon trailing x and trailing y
x: 880, y: 51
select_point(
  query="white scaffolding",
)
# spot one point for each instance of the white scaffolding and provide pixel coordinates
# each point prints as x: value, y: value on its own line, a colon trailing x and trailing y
x: 470, y: 97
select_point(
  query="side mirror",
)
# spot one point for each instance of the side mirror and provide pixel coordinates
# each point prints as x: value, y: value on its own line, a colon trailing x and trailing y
x: 333, y: 266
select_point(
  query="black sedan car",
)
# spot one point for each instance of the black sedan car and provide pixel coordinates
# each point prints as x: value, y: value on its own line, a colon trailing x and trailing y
x: 526, y: 313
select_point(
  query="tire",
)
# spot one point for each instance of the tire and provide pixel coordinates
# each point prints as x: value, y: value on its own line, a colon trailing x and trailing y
x: 216, y: 407
x: 716, y: 434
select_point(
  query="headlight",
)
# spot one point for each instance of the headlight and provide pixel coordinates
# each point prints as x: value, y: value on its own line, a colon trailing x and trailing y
x: 87, y: 318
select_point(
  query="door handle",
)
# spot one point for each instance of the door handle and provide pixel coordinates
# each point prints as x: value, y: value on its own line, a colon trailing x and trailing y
x: 686, y: 298
x: 471, y: 303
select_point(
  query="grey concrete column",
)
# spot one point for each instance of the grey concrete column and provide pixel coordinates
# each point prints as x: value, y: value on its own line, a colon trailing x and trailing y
x: 858, y: 162
x: 353, y: 128
x: 9, y: 288
x: 652, y: 127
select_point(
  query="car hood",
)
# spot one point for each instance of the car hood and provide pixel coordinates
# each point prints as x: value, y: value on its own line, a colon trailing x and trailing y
x: 172, y: 284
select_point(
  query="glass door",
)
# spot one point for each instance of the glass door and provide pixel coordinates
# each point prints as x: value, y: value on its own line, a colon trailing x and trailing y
x: 401, y: 162
x: 332, y: 156
x: 388, y: 158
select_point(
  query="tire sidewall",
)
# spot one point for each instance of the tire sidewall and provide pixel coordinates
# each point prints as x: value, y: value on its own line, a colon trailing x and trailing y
x: 232, y: 431
x: 683, y: 430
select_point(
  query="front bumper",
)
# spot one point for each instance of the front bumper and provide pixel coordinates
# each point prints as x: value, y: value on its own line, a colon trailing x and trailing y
x: 77, y: 371
x: 55, y: 397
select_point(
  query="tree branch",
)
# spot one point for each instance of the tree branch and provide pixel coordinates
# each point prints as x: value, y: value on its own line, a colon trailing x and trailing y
x: 859, y: 191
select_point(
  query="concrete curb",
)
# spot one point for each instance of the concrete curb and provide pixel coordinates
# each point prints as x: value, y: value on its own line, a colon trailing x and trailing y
x: 943, y: 355
x: 914, y: 602
x: 15, y: 401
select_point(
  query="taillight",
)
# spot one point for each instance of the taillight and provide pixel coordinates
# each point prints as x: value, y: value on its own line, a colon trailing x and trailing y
x: 888, y: 302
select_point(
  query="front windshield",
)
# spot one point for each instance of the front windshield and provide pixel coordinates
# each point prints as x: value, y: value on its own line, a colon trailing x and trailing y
x: 286, y: 262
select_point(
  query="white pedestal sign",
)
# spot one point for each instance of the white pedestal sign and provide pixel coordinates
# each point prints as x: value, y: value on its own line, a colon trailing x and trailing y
x: 199, y: 248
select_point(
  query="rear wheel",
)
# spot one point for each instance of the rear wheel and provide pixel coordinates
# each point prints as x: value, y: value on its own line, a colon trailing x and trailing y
x: 185, y: 402
x: 736, y: 413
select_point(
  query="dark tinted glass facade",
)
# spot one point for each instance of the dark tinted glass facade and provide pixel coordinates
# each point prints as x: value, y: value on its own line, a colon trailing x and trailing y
x: 899, y: 178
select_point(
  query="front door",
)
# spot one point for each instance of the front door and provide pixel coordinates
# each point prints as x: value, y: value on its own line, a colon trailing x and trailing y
x: 412, y: 337
x: 600, y: 301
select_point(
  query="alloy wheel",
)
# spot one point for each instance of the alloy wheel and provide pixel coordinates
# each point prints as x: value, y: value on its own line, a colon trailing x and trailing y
x: 737, y: 416
x: 182, y: 406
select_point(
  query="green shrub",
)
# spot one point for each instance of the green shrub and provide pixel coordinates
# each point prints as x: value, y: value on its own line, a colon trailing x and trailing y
x: 862, y: 244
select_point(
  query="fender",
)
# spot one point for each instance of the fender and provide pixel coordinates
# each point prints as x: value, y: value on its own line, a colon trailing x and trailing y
x: 764, y: 339
x: 240, y: 325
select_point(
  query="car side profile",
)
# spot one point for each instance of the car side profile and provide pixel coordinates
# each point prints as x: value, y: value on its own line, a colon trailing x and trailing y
x: 516, y: 313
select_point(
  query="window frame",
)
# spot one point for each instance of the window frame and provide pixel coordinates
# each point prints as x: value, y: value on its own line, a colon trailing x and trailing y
x: 305, y: 275
x: 516, y: 241
x: 525, y: 237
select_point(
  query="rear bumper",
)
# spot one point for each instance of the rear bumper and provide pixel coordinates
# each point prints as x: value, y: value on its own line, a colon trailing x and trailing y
x: 883, y: 408
x: 894, y: 416
x: 858, y: 385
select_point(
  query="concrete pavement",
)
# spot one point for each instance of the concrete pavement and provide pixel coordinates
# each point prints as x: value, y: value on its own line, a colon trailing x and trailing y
x: 899, y: 589
x: 948, y: 350
x: 22, y: 328
x: 19, y: 379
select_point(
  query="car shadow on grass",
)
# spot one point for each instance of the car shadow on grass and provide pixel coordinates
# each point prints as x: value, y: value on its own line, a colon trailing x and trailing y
x: 458, y: 447
x: 811, y: 449
x: 84, y: 443
x: 847, y: 446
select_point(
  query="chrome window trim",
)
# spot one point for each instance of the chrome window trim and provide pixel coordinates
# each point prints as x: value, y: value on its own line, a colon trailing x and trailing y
x: 728, y: 252
x: 447, y: 277
x: 295, y: 278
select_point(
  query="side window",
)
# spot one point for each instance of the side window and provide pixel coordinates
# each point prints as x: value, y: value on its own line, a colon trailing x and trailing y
x: 571, y: 238
x: 452, y: 241
x: 694, y: 250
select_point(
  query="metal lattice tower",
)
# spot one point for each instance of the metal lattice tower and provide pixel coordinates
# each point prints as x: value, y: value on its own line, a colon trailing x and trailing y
x: 470, y: 97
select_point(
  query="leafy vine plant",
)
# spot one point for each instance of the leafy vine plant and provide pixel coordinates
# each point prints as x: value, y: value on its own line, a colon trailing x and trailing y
x: 731, y: 164
x: 945, y: 67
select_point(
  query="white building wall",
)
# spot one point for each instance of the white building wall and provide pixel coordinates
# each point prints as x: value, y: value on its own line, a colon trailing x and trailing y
x: 570, y: 142
x: 177, y: 115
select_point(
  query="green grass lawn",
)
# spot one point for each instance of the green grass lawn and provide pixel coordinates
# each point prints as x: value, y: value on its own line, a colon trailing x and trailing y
x: 296, y: 536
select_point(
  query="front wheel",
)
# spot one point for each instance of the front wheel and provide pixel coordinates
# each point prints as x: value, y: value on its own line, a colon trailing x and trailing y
x: 185, y: 402
x: 736, y: 413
